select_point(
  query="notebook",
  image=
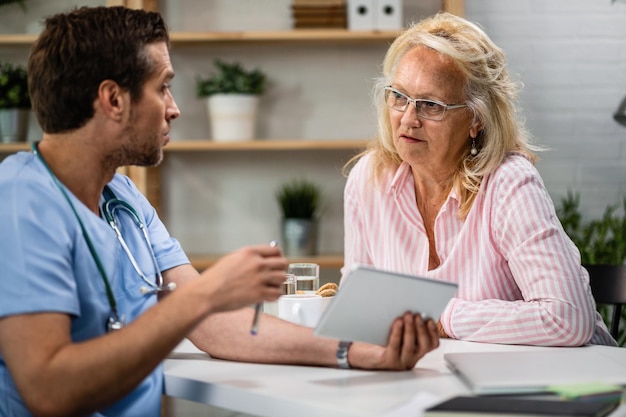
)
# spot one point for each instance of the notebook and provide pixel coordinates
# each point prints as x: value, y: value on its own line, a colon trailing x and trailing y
x: 370, y: 299
x: 500, y: 406
x: 535, y: 371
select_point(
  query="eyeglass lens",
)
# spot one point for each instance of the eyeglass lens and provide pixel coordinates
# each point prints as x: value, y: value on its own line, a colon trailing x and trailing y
x: 427, y: 109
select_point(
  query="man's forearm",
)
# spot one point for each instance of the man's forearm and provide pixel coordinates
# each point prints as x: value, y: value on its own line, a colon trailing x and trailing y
x: 227, y: 336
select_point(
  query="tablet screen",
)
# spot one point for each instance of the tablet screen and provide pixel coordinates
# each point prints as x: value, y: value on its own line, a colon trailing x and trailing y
x: 370, y: 299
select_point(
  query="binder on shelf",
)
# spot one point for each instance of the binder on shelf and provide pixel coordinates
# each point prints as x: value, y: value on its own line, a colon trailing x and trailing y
x: 361, y: 14
x: 388, y: 15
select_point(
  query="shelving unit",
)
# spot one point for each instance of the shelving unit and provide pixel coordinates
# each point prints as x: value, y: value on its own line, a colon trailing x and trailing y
x: 149, y: 180
x: 257, y: 145
x: 324, y: 261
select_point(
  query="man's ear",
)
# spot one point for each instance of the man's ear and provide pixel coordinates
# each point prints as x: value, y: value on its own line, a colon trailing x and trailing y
x: 112, y: 100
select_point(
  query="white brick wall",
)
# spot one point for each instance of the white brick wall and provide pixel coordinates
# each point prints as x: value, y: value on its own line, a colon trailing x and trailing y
x: 571, y: 56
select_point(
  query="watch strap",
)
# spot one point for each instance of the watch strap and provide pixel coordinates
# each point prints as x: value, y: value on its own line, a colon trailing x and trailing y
x: 342, y: 354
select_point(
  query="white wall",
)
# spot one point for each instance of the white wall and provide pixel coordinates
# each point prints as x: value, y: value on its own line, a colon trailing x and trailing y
x: 217, y: 202
x: 571, y: 56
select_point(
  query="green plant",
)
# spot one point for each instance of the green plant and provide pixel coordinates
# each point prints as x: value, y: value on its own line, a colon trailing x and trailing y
x: 600, y: 242
x: 13, y: 87
x: 299, y: 199
x: 20, y: 2
x: 231, y: 79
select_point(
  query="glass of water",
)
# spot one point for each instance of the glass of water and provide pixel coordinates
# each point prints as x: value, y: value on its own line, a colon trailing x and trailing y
x: 307, y: 276
x: 289, y: 286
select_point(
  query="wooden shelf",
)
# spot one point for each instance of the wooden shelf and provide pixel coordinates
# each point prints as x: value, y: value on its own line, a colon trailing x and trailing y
x: 14, y: 147
x: 296, y: 35
x: 18, y: 40
x: 265, y: 145
x: 256, y: 145
x: 201, y: 262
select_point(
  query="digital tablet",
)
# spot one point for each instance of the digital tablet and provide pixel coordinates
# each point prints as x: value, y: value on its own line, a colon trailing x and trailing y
x: 370, y: 299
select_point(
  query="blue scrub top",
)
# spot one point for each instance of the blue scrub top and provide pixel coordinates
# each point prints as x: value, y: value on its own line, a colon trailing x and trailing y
x: 46, y: 266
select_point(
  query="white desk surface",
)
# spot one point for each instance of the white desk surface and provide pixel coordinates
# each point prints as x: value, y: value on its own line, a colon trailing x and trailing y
x: 282, y: 390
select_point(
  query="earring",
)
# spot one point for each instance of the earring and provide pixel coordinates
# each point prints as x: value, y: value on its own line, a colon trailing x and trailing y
x: 474, y: 149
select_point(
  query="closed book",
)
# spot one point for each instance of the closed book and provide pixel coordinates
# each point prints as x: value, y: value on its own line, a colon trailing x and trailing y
x: 336, y: 25
x: 487, y: 406
x: 321, y: 20
x: 320, y: 12
x: 316, y: 3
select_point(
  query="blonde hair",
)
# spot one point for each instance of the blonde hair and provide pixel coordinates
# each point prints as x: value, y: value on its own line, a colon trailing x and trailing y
x: 491, y: 95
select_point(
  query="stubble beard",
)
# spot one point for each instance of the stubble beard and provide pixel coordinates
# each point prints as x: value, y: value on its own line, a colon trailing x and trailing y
x: 141, y: 149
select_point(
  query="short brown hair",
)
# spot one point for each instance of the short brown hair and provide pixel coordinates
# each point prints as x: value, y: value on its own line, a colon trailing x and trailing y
x: 78, y: 50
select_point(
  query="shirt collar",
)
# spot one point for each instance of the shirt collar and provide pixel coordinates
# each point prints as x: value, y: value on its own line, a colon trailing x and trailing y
x: 403, y: 176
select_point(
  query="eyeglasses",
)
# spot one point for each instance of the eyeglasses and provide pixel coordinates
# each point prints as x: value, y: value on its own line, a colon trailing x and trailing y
x: 427, y: 109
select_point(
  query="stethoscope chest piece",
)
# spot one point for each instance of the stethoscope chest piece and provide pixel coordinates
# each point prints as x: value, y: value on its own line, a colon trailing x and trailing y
x: 114, y: 324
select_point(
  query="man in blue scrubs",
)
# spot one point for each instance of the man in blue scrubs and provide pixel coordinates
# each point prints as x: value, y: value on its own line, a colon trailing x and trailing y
x: 89, y: 304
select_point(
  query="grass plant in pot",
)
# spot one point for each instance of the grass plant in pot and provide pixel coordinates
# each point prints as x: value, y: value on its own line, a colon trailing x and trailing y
x: 602, y: 245
x: 299, y: 201
x: 14, y: 103
x: 232, y: 94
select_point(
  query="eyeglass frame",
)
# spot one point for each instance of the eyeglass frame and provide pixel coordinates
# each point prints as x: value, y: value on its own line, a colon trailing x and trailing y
x: 389, y: 89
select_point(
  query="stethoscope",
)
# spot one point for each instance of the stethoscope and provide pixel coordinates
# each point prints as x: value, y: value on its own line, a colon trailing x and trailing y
x: 109, y: 208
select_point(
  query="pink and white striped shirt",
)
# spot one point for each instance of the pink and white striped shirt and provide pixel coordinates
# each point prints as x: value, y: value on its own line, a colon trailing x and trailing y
x: 519, y: 275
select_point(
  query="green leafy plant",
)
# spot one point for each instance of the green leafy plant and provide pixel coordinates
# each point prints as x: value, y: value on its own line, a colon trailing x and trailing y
x: 231, y: 79
x: 20, y: 2
x: 600, y: 242
x: 299, y: 199
x: 13, y: 87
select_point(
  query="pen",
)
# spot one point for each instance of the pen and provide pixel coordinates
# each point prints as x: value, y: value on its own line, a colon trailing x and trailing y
x: 259, y: 306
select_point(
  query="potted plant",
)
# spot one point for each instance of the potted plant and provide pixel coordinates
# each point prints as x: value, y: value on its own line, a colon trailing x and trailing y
x: 14, y: 103
x: 20, y: 2
x: 601, y: 242
x: 299, y: 202
x: 232, y: 100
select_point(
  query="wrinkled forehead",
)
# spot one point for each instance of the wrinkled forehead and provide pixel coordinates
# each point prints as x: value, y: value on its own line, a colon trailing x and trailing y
x: 424, y: 68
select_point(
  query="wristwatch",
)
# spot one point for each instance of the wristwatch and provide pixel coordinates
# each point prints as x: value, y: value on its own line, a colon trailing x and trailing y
x: 342, y: 354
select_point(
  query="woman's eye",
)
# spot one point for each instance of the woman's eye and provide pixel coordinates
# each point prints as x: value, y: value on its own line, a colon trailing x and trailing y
x: 400, y: 98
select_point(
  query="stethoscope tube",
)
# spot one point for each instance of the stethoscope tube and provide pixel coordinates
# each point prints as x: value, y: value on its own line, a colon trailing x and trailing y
x: 111, y: 204
x: 109, y: 208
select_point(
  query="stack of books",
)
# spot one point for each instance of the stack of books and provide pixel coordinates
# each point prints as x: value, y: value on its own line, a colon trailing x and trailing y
x: 308, y: 14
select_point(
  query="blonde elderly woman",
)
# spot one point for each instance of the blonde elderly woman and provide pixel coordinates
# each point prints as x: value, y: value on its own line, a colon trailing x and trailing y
x: 448, y: 190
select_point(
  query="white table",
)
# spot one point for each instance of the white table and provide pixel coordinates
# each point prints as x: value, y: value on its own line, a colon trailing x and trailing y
x: 282, y: 390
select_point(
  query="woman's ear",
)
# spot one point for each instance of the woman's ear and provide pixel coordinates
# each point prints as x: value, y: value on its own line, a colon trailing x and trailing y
x: 475, y: 129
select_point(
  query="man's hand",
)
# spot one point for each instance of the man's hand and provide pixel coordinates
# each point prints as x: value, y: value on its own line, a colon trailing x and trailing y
x: 246, y: 276
x: 411, y: 338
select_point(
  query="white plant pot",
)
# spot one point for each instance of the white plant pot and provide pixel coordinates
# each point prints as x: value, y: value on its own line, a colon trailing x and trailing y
x: 232, y: 116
